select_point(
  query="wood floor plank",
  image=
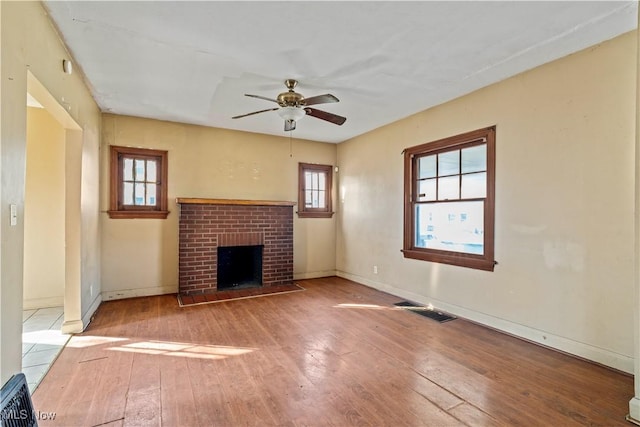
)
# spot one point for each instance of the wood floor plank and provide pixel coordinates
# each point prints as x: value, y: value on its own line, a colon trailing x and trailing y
x: 472, y: 416
x: 336, y: 354
x: 143, y: 394
x: 111, y: 404
x: 177, y: 392
x: 143, y: 409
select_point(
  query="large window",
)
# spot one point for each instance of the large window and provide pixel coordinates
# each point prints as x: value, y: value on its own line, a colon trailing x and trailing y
x: 449, y: 200
x: 314, y: 191
x: 138, y: 183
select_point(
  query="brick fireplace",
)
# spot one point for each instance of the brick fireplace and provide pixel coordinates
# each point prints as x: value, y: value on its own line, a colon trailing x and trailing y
x: 207, y: 224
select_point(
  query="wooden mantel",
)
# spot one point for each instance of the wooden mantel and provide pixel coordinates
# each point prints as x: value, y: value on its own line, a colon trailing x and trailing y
x: 197, y: 201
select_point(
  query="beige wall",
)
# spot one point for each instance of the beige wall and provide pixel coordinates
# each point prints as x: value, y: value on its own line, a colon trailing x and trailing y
x: 140, y: 256
x: 564, y: 205
x: 28, y: 42
x: 44, y: 214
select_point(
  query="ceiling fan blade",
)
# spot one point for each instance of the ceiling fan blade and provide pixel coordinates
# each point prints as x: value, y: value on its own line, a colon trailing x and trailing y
x: 321, y: 99
x: 330, y: 117
x: 289, y: 125
x: 260, y: 97
x: 255, y: 112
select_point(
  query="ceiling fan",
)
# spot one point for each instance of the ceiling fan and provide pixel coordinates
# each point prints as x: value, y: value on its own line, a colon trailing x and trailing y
x: 293, y: 106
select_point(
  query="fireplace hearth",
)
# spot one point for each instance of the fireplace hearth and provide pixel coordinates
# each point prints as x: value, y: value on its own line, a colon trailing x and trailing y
x: 209, y: 227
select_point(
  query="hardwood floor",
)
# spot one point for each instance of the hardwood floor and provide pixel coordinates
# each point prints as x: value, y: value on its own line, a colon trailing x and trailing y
x: 337, y: 353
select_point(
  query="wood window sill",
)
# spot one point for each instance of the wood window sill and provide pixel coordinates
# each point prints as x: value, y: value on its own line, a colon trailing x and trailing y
x: 460, y: 260
x: 315, y: 214
x: 138, y: 214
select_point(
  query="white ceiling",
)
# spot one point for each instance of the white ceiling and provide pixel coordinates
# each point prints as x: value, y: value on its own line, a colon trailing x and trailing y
x: 193, y: 62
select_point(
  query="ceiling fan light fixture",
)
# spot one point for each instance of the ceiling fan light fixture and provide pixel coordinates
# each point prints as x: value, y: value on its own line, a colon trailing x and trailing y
x: 291, y: 113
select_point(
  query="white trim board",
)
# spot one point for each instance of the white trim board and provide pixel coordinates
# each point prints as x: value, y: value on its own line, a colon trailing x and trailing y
x: 314, y: 274
x: 140, y: 292
x: 86, y: 319
x: 602, y: 356
x: 79, y: 325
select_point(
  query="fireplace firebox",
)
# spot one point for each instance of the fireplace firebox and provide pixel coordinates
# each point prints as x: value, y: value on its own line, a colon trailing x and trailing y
x: 239, y: 267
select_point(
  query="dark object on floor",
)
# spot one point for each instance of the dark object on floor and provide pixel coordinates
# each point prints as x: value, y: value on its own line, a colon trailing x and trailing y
x: 424, y: 311
x: 407, y: 304
x: 17, y: 408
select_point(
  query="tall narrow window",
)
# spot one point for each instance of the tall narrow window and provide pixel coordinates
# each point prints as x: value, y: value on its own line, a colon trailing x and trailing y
x: 314, y: 191
x: 138, y: 183
x: 449, y: 200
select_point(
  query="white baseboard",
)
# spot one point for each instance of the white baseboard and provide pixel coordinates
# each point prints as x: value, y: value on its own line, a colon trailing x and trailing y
x: 602, y: 356
x: 79, y: 325
x: 72, y: 327
x: 35, y: 303
x: 314, y: 274
x: 634, y: 411
x: 142, y: 292
x: 86, y: 318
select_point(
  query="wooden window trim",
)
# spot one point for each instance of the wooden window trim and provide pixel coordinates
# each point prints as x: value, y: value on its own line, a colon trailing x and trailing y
x: 116, y: 209
x: 305, y: 212
x: 482, y: 262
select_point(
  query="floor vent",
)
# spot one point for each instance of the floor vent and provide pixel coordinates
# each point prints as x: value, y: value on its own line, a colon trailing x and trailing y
x: 424, y: 311
x: 17, y: 408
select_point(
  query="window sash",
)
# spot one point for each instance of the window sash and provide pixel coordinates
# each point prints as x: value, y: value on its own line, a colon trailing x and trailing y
x: 315, y: 189
x: 453, y: 226
x: 440, y: 183
x: 140, y: 182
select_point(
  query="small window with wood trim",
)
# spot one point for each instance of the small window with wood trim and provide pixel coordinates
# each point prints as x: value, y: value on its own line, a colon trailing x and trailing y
x: 314, y: 195
x: 138, y: 183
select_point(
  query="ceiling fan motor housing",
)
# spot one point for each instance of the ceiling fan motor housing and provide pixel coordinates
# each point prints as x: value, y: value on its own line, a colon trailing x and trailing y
x: 290, y: 99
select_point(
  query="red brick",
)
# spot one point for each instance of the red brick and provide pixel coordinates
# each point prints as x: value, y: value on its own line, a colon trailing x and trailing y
x: 203, y: 227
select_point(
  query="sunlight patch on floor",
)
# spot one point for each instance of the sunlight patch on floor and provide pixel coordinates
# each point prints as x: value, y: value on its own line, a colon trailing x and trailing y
x: 42, y: 341
x: 182, y: 349
x: 91, y: 340
x: 162, y: 348
x: 363, y: 306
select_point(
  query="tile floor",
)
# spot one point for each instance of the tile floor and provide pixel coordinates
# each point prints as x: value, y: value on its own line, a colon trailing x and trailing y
x: 42, y: 340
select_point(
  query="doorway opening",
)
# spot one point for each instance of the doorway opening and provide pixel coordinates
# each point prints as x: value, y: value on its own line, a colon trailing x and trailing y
x: 51, y: 266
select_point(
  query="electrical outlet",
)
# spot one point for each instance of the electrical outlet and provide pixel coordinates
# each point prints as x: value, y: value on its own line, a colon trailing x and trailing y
x: 375, y: 269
